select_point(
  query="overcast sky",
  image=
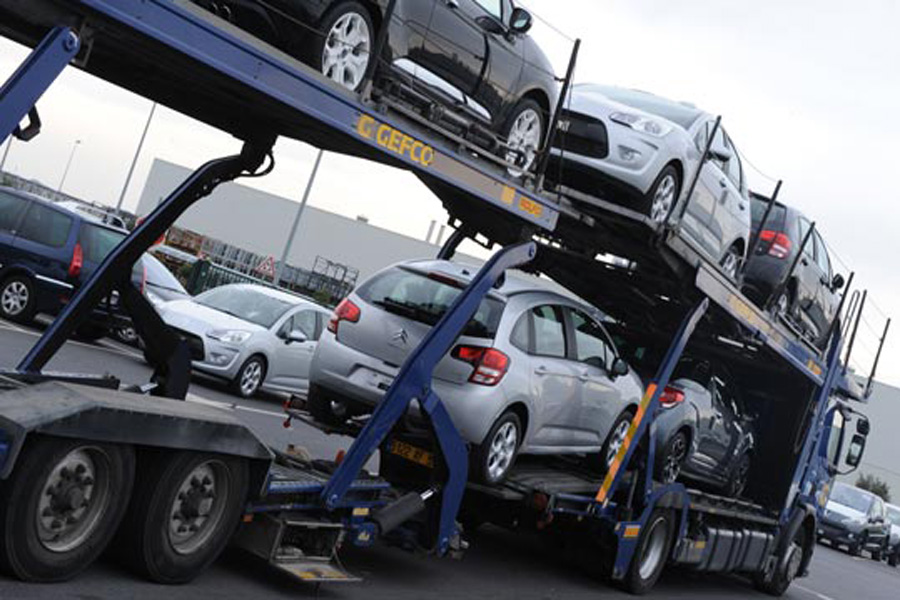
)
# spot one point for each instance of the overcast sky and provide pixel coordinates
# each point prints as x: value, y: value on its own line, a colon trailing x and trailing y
x: 809, y: 90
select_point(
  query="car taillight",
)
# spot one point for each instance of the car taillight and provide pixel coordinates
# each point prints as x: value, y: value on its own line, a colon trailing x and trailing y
x: 345, y: 311
x: 490, y: 364
x: 779, y: 243
x: 671, y: 397
x: 77, y: 261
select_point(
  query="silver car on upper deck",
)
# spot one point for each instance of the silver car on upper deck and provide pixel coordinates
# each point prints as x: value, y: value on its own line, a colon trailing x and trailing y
x: 641, y: 151
x: 533, y: 372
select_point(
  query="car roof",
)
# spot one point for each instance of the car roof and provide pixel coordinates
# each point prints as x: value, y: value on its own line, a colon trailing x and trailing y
x: 278, y: 294
x: 511, y: 286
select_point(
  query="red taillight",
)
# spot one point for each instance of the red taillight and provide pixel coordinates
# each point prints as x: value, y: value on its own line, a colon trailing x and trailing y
x: 345, y: 311
x: 77, y: 261
x: 671, y: 397
x: 779, y: 243
x: 490, y: 364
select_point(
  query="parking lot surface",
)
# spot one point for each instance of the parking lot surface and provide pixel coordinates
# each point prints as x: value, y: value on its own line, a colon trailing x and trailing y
x: 499, y: 564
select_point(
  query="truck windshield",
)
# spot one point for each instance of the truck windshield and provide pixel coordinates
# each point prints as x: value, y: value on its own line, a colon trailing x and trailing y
x: 851, y: 497
x: 426, y: 297
x: 245, y: 303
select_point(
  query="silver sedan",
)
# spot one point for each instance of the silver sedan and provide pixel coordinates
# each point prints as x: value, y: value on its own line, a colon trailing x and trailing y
x: 252, y: 336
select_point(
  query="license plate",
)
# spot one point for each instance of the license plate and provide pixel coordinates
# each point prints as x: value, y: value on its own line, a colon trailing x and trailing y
x: 413, y: 454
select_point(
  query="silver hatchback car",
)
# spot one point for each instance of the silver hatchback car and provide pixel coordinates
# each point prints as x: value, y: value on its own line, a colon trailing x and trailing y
x: 534, y: 372
x: 250, y: 335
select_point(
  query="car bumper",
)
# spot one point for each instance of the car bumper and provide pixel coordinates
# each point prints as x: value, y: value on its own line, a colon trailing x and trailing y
x: 837, y: 534
x: 342, y: 373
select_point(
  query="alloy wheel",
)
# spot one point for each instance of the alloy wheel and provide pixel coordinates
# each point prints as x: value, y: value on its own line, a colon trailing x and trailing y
x: 616, y: 441
x: 251, y: 378
x: 524, y: 140
x: 15, y: 298
x: 731, y: 262
x: 663, y: 199
x: 673, y: 459
x: 199, y: 505
x: 74, y: 498
x: 502, y: 450
x: 347, y: 51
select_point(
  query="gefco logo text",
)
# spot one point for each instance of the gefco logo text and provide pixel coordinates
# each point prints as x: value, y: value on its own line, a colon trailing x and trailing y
x: 396, y: 141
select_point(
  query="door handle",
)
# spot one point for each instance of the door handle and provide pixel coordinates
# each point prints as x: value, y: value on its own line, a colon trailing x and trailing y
x: 584, y: 377
x: 452, y: 3
x: 542, y: 370
x: 723, y: 183
x: 804, y: 261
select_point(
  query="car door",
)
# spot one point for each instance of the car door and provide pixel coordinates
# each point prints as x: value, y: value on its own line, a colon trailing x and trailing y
x: 600, y: 400
x: 726, y: 206
x: 455, y: 49
x: 703, y: 459
x: 554, y: 379
x: 807, y: 274
x: 505, y: 59
x: 44, y: 243
x: 291, y: 360
x: 735, y: 219
x: 701, y: 207
x: 825, y: 306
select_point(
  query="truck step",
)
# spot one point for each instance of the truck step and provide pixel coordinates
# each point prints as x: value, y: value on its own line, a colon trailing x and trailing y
x: 316, y: 571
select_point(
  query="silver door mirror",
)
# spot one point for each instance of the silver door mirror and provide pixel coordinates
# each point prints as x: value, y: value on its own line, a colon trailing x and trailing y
x: 721, y: 155
x: 521, y: 21
x: 838, y: 282
x: 296, y: 337
x: 619, y: 368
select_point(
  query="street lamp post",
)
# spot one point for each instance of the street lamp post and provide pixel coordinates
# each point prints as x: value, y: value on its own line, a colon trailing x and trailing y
x: 68, y: 164
x: 6, y: 153
x: 137, y: 155
x: 298, y: 217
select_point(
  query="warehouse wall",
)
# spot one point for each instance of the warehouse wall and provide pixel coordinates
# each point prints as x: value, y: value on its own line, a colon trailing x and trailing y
x: 882, y: 457
x: 260, y: 222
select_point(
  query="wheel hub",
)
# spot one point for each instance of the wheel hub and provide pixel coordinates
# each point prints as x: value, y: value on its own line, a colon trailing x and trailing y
x: 197, y: 508
x: 345, y: 58
x: 524, y: 139
x: 15, y: 298
x: 503, y: 448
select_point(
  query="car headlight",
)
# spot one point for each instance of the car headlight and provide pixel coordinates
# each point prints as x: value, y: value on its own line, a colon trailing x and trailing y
x: 229, y: 336
x: 642, y: 124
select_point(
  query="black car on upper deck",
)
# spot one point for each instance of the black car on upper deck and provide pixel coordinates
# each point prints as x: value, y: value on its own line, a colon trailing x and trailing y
x: 474, y: 57
x: 809, y: 298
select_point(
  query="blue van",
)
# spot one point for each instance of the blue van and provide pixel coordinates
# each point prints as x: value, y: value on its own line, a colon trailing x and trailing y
x: 46, y: 252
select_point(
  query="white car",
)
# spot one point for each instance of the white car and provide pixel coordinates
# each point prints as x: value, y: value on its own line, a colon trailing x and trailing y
x: 640, y: 151
x: 250, y: 335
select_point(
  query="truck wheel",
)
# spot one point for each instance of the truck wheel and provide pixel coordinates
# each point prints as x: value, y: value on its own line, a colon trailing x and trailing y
x: 17, y: 299
x: 184, y: 510
x: 61, y: 506
x: 786, y: 569
x: 651, y: 554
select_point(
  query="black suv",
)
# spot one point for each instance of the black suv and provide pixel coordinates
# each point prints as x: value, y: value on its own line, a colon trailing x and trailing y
x: 810, y: 299
x: 473, y: 56
x: 46, y: 252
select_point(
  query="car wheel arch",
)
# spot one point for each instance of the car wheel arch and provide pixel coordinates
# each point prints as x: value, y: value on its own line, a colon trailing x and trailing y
x: 521, y: 411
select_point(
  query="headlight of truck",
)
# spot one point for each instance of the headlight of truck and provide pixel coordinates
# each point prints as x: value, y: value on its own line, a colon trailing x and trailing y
x: 642, y: 124
x: 229, y: 336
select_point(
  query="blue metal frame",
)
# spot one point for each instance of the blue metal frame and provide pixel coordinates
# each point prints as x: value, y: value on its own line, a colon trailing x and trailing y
x: 414, y: 382
x: 23, y: 89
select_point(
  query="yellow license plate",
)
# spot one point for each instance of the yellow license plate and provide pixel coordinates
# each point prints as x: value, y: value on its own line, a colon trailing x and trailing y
x: 413, y: 454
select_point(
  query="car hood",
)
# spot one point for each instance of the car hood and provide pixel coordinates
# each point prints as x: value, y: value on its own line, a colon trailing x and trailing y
x: 592, y: 102
x: 843, y: 511
x: 196, y: 318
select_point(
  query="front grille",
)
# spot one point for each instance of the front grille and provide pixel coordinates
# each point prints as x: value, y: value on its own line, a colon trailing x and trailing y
x: 194, y: 342
x: 582, y: 135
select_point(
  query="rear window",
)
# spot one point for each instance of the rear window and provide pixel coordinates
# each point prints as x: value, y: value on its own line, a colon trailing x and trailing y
x: 11, y: 209
x: 425, y: 299
x: 159, y: 276
x: 97, y: 242
x: 758, y: 210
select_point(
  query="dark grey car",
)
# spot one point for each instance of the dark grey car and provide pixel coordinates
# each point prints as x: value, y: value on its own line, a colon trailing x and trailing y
x: 810, y: 299
x: 703, y: 432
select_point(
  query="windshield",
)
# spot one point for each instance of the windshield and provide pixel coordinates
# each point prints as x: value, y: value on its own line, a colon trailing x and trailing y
x: 681, y: 114
x: 425, y: 299
x: 851, y: 497
x: 98, y: 241
x: 245, y: 303
x: 159, y: 276
x: 893, y: 515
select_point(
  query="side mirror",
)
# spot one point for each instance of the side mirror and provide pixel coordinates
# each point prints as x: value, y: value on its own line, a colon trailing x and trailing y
x: 619, y: 368
x: 838, y: 282
x: 855, y: 453
x: 721, y: 155
x: 295, y: 337
x: 521, y: 21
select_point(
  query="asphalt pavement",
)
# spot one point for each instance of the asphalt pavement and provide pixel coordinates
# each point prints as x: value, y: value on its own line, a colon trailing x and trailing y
x: 499, y: 564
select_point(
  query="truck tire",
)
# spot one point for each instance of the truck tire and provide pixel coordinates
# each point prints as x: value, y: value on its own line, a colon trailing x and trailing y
x: 184, y: 510
x: 61, y: 507
x: 788, y: 566
x: 652, y: 552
